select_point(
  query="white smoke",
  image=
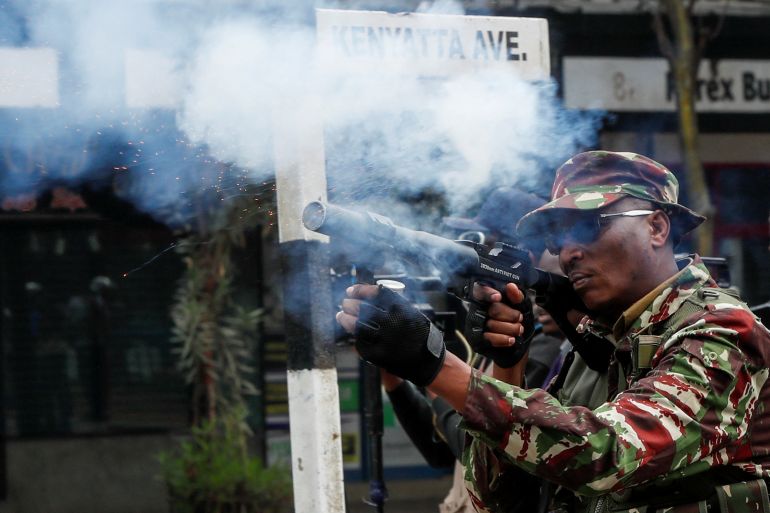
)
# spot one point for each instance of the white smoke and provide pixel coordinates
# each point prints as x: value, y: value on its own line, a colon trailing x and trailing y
x: 238, y: 67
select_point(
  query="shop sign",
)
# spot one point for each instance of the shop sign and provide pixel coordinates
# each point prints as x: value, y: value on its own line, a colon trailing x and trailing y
x: 646, y: 85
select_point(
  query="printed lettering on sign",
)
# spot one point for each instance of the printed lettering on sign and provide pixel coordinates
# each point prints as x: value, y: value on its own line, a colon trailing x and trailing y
x: 433, y: 44
x: 626, y: 84
x: 421, y: 43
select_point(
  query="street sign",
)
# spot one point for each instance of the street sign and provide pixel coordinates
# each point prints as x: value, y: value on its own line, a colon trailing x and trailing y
x: 432, y: 44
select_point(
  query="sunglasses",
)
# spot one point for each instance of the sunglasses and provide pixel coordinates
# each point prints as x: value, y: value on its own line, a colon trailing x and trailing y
x: 585, y: 230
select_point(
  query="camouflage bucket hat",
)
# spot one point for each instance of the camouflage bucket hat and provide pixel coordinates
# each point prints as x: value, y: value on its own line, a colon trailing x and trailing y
x: 596, y: 179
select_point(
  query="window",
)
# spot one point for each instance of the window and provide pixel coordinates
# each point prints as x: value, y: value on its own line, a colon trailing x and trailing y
x: 84, y: 348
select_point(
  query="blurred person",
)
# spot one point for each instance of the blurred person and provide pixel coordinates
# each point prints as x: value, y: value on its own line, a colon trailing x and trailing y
x: 100, y: 313
x: 674, y: 417
x: 31, y: 328
x: 492, y: 222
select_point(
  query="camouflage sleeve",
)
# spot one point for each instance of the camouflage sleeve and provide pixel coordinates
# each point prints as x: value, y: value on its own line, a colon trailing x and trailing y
x: 689, y: 413
x: 494, y: 484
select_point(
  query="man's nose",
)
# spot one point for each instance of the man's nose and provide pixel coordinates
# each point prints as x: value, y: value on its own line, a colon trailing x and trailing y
x: 570, y: 251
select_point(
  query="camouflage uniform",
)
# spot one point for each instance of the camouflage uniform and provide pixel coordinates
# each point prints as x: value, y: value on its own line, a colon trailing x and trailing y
x: 699, y: 402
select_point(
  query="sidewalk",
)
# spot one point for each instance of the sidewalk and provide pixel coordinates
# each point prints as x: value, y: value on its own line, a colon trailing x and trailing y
x: 405, y: 496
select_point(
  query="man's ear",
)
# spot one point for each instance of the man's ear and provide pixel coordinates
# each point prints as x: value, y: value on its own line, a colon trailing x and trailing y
x: 660, y: 229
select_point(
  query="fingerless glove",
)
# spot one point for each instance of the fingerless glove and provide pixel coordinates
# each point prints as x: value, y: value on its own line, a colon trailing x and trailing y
x: 393, y: 334
x: 504, y: 357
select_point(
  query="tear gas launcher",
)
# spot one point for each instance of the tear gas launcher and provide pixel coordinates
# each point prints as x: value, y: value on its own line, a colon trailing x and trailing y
x: 369, y: 238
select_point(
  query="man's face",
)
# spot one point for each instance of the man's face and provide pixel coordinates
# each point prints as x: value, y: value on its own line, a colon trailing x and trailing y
x: 609, y: 268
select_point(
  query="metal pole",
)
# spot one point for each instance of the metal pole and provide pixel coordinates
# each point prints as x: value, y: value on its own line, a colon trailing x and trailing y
x: 314, y: 412
x: 373, y: 416
x: 374, y: 421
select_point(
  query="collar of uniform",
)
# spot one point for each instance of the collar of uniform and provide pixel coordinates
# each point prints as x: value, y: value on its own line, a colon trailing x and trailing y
x: 660, y: 303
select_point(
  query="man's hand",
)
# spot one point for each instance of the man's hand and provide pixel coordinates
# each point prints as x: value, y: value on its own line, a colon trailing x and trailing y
x: 498, y: 330
x: 393, y: 334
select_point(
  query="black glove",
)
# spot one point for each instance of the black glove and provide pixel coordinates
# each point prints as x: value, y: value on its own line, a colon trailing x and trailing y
x: 393, y: 334
x: 504, y: 357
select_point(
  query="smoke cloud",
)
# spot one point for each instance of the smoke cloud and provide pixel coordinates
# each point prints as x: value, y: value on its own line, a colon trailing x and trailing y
x: 235, y: 70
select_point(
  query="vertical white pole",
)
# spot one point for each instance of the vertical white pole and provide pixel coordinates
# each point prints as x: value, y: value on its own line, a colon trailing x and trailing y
x: 314, y: 412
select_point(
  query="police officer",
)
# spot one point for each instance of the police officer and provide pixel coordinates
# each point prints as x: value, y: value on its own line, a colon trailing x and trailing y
x: 677, y: 418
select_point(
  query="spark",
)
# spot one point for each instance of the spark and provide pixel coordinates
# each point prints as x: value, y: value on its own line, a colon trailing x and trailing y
x: 151, y: 260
